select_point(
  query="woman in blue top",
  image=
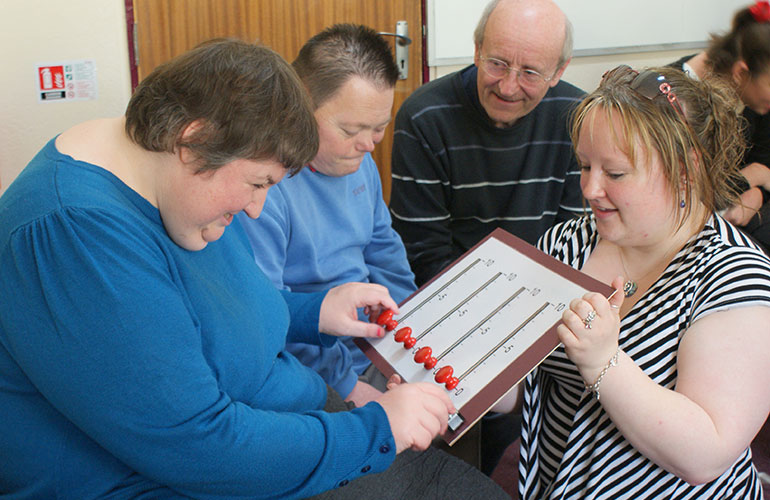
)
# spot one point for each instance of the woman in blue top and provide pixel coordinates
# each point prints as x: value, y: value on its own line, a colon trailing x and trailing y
x: 141, y: 351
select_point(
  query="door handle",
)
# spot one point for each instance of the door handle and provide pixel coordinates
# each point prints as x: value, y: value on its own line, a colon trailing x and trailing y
x: 402, y: 48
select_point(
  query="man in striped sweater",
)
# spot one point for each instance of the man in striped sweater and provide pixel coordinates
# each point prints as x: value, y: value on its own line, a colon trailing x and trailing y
x: 488, y: 146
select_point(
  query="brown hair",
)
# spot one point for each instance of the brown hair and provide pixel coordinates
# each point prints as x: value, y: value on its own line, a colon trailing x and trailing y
x: 700, y: 155
x: 342, y: 51
x: 747, y: 41
x: 247, y: 99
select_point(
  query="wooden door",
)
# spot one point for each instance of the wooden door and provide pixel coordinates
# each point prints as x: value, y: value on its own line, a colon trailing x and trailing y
x: 166, y: 28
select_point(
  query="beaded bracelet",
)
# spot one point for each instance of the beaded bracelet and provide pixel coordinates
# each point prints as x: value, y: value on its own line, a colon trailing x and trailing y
x: 594, y: 388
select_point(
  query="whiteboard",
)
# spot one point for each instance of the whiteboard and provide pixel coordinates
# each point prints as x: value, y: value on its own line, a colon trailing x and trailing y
x: 601, y: 26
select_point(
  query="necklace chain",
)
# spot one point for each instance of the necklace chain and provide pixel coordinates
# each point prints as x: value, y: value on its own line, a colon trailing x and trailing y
x: 630, y: 286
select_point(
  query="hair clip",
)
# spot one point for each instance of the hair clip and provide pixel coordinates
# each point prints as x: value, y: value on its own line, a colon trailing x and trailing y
x: 760, y: 11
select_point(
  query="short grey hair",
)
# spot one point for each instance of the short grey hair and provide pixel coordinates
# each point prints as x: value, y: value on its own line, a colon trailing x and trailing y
x: 566, y: 50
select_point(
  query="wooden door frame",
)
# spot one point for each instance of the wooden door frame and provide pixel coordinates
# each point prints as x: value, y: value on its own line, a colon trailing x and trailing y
x: 132, y: 50
x: 424, y: 35
x: 131, y: 33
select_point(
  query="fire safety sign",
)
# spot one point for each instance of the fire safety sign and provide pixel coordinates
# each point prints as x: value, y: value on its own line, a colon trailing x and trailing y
x: 67, y: 81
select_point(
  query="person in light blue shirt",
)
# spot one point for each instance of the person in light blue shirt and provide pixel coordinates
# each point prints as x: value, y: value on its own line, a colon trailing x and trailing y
x: 329, y: 224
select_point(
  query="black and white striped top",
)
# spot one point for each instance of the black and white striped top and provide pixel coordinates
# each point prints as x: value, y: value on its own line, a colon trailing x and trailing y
x: 570, y: 449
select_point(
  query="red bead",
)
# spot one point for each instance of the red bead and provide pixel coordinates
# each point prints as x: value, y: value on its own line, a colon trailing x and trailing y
x: 444, y: 374
x: 430, y: 363
x: 452, y: 383
x: 403, y: 334
x: 423, y: 354
x: 384, y: 317
x: 409, y: 342
x: 391, y: 325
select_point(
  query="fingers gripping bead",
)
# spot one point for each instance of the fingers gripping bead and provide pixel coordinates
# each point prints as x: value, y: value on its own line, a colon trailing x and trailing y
x: 384, y: 317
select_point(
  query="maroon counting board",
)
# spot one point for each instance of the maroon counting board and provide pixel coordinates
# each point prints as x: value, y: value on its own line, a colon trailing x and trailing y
x: 481, y: 325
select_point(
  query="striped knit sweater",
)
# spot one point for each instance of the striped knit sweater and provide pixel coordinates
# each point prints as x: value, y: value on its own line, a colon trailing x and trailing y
x: 570, y: 448
x: 456, y: 177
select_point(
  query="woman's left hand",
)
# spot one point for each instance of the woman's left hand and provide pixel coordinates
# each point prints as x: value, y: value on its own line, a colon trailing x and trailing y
x: 339, y: 315
x: 590, y: 329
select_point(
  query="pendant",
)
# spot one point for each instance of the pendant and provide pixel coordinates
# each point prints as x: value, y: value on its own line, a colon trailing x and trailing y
x: 629, y: 288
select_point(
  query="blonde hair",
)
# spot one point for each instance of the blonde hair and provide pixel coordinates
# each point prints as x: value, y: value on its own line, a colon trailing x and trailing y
x: 700, y: 151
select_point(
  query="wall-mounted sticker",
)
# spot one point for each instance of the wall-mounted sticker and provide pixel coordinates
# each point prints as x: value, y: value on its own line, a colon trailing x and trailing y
x: 67, y: 81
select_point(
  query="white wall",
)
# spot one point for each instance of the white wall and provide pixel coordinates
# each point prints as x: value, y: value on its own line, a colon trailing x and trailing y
x: 36, y: 31
x: 41, y: 31
x: 601, y: 26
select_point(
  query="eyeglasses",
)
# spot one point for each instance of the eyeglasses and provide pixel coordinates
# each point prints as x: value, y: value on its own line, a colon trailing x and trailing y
x: 651, y: 85
x: 500, y: 69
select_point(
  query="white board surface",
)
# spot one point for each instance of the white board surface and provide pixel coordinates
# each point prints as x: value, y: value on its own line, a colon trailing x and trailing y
x: 601, y: 26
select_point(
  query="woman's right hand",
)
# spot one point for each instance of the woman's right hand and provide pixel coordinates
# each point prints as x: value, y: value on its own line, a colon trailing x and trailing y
x: 590, y: 343
x: 417, y: 412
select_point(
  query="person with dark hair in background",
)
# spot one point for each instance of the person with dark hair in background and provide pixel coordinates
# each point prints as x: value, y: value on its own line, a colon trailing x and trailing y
x: 329, y: 224
x: 742, y: 58
x: 142, y: 350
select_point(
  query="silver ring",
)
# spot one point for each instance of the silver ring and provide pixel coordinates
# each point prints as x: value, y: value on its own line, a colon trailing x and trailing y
x: 589, y: 318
